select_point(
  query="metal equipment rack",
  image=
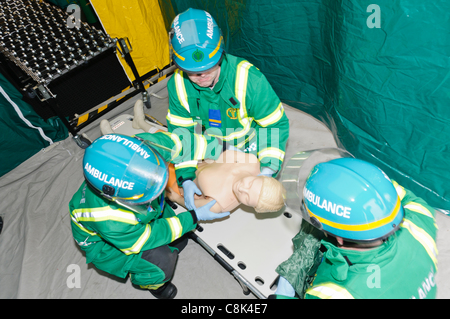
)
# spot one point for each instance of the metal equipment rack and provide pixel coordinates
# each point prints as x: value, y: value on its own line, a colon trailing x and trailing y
x: 42, y: 43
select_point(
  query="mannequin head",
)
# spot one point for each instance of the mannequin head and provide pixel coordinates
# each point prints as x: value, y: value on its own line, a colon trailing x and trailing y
x: 263, y: 193
x: 272, y: 196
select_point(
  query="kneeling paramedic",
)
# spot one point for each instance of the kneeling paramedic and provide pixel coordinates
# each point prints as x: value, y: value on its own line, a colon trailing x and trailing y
x: 119, y: 216
x: 379, y: 238
x: 221, y: 95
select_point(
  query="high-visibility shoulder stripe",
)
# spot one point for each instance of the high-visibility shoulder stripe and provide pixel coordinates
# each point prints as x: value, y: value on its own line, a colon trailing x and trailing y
x: 399, y: 189
x: 329, y: 291
x: 272, y: 118
x: 418, y: 208
x: 180, y: 121
x: 424, y: 238
x: 241, y: 86
x: 175, y: 227
x: 271, y: 152
x: 181, y: 89
x: 186, y: 164
x: 136, y: 248
x: 103, y: 214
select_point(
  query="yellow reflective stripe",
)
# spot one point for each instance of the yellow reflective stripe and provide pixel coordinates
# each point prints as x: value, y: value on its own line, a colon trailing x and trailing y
x: 399, y: 189
x: 151, y: 287
x: 271, y: 152
x: 136, y: 248
x: 240, y: 145
x: 216, y: 49
x: 92, y: 233
x: 424, y: 238
x: 104, y: 213
x: 178, y: 145
x: 181, y: 89
x: 361, y: 227
x: 186, y: 164
x: 272, y: 118
x: 418, y: 208
x: 175, y: 227
x: 180, y: 121
x: 200, y: 149
x: 178, y: 56
x: 329, y: 291
x: 241, y: 86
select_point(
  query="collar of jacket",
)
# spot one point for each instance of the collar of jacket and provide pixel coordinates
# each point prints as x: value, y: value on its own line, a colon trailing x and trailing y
x: 342, y: 260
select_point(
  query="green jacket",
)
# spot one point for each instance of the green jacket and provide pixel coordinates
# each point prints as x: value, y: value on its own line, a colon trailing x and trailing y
x: 242, y: 109
x: 132, y: 230
x: 403, y: 267
x: 97, y: 222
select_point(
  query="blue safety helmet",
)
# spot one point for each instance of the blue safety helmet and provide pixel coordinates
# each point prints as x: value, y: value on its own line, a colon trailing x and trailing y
x: 125, y: 169
x: 196, y: 41
x: 352, y: 199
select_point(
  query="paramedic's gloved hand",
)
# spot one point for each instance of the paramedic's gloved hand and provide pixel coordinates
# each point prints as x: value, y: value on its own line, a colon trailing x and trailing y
x: 190, y: 189
x: 284, y: 288
x: 204, y: 213
x: 267, y: 172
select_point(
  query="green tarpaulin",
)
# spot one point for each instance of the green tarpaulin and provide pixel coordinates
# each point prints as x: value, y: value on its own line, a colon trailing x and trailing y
x: 376, y: 73
x: 23, y: 132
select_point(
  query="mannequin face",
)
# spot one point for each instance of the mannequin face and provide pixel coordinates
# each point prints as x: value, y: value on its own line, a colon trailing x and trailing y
x: 205, y: 79
x: 248, y: 189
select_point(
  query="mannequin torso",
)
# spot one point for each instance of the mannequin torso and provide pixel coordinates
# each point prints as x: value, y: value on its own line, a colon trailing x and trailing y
x: 216, y: 179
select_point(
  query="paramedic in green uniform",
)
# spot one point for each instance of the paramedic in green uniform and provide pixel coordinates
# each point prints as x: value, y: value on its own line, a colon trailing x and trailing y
x: 379, y: 238
x: 223, y: 96
x: 119, y: 216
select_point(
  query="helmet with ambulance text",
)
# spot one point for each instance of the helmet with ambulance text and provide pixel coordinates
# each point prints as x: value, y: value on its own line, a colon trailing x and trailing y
x: 124, y: 169
x: 196, y: 41
x: 352, y: 199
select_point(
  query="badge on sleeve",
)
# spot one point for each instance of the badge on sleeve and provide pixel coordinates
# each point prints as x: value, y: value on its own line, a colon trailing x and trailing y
x: 215, y: 120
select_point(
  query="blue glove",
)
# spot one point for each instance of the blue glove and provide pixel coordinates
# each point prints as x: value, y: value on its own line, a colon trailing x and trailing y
x: 190, y: 189
x: 284, y: 288
x: 267, y: 172
x: 204, y: 213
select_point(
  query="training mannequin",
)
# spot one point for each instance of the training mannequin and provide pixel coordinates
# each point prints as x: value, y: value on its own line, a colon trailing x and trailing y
x: 232, y: 180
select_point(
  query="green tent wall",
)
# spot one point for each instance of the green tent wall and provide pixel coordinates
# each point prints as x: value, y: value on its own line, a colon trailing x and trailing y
x: 23, y: 132
x: 375, y: 72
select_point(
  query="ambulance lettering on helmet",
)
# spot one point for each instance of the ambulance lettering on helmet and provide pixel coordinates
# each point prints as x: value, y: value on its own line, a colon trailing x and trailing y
x: 128, y: 143
x: 210, y: 30
x: 104, y: 178
x: 177, y: 29
x: 329, y: 206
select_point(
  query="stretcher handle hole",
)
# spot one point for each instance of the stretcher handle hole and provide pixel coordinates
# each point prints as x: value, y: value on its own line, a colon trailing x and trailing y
x: 259, y: 281
x: 225, y: 251
x: 288, y: 215
x: 242, y: 265
x: 274, y: 284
